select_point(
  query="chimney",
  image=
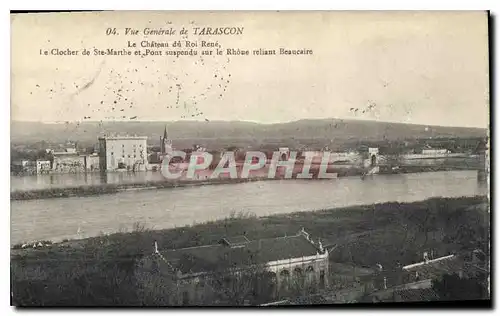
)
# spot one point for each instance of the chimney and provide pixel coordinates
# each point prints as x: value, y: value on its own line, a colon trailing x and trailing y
x: 320, y: 245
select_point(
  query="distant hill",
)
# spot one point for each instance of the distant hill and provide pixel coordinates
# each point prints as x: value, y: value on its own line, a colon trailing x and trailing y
x: 238, y: 133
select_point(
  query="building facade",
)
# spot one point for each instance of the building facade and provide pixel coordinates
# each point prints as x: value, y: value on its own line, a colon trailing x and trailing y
x: 92, y: 163
x: 43, y: 166
x: 237, y: 269
x: 24, y: 167
x: 68, y: 162
x: 123, y: 153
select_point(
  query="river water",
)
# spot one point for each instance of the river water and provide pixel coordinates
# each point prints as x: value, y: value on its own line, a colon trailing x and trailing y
x: 79, y: 217
x: 44, y: 181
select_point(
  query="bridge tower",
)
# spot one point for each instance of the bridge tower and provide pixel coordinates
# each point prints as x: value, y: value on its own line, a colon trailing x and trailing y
x: 371, y: 163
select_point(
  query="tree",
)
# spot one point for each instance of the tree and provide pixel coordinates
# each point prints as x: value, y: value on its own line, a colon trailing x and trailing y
x: 154, y: 287
x: 454, y: 288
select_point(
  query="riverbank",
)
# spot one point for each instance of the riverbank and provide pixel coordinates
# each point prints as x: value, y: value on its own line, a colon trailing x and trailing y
x: 90, y: 190
x: 100, y: 189
x: 99, y: 270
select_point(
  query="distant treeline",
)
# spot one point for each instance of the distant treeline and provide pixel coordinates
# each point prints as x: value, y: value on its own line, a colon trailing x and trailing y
x: 34, y: 151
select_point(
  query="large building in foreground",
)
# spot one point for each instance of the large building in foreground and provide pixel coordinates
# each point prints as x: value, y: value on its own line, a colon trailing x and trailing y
x: 118, y: 153
x: 280, y: 267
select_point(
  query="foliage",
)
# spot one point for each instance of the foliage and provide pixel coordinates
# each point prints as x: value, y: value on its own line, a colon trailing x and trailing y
x: 453, y: 288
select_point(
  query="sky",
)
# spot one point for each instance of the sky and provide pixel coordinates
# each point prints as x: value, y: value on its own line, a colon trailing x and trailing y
x: 411, y: 67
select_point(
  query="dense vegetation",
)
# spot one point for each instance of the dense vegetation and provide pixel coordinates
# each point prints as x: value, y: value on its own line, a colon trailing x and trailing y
x: 99, y: 271
x: 454, y: 288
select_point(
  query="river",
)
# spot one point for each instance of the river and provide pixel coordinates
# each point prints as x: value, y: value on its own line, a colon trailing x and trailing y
x: 44, y: 181
x: 79, y: 217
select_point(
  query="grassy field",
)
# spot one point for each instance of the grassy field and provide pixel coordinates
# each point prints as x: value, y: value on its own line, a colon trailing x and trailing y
x: 99, y: 271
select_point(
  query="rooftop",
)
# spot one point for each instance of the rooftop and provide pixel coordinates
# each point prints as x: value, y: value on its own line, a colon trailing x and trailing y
x: 65, y: 153
x: 117, y: 137
x: 432, y: 269
x: 238, y: 252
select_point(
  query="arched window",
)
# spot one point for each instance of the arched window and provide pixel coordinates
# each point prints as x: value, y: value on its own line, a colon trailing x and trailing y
x: 284, y: 273
x: 268, y: 284
x: 298, y: 277
x: 185, y: 298
x: 298, y: 272
x: 284, y: 279
x: 310, y: 277
x: 200, y: 290
x: 270, y: 276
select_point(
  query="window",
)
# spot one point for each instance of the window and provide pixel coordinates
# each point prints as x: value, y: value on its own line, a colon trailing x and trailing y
x: 200, y: 291
x: 284, y: 279
x: 299, y: 277
x: 310, y: 274
x: 322, y: 278
x: 185, y: 298
x: 298, y: 272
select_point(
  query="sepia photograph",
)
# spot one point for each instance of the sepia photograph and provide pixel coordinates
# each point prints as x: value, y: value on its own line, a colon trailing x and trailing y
x: 250, y: 158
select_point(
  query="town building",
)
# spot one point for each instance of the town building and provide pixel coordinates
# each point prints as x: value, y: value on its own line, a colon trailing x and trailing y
x: 23, y: 167
x: 118, y: 153
x: 43, y: 166
x: 92, y: 162
x: 69, y: 161
x: 280, y: 267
